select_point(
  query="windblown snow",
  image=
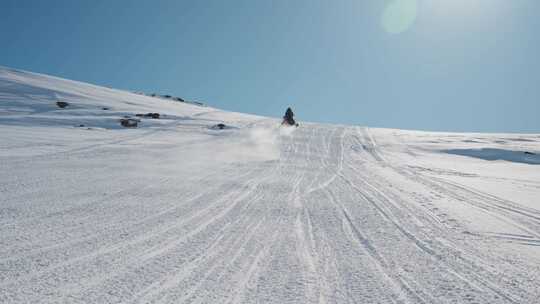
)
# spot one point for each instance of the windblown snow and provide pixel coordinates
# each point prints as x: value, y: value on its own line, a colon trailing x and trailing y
x: 176, y: 211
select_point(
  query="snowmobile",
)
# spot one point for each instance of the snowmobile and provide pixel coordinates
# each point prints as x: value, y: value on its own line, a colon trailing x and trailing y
x: 288, y: 119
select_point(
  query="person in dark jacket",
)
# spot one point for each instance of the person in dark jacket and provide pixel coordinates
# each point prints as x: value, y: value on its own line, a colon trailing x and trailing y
x: 289, y: 118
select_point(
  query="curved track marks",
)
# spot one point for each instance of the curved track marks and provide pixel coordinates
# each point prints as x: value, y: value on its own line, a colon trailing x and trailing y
x: 331, y: 221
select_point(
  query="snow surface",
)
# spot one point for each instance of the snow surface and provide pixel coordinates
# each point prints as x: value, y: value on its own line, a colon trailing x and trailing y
x: 177, y: 212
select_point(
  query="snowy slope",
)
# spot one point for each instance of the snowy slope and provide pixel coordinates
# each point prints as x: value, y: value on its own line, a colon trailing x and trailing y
x: 177, y: 212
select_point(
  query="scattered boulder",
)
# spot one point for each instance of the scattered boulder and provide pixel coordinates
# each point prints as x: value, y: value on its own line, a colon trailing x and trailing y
x: 178, y: 99
x: 129, y: 122
x: 219, y: 126
x: 105, y: 108
x: 62, y: 104
x: 81, y: 126
x: 149, y: 115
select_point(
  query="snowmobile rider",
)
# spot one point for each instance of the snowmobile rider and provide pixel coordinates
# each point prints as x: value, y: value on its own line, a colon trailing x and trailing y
x: 289, y: 118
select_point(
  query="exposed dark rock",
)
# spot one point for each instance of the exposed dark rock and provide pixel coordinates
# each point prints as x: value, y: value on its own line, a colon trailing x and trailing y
x: 62, y: 104
x: 129, y: 122
x: 105, y: 108
x: 219, y: 126
x: 149, y: 115
x: 529, y: 153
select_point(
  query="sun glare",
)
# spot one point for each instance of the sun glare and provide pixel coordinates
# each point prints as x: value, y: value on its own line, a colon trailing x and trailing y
x: 399, y: 16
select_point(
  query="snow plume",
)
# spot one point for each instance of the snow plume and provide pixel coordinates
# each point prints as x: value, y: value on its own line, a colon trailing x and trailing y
x: 286, y: 131
x: 233, y: 146
x: 258, y: 143
x: 238, y: 146
x: 263, y: 143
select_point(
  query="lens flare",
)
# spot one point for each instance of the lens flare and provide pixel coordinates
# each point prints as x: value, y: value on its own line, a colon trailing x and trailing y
x: 399, y: 16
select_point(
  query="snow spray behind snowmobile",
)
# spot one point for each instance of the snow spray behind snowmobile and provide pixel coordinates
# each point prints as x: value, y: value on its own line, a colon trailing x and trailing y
x: 288, y: 119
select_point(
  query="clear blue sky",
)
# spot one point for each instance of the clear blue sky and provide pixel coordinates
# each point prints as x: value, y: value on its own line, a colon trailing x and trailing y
x: 457, y: 65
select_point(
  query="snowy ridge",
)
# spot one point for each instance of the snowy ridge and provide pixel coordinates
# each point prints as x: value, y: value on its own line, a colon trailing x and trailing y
x: 30, y: 99
x: 174, y: 211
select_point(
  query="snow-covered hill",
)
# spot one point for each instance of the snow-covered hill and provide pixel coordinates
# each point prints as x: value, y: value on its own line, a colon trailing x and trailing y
x: 175, y: 211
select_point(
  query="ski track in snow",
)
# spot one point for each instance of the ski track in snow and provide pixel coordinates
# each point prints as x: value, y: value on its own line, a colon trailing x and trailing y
x: 341, y: 214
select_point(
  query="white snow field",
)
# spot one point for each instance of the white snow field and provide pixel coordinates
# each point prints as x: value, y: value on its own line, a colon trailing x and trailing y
x: 177, y: 212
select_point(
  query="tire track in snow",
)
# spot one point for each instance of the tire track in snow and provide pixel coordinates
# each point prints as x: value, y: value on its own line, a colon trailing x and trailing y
x: 471, y: 272
x: 107, y: 250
